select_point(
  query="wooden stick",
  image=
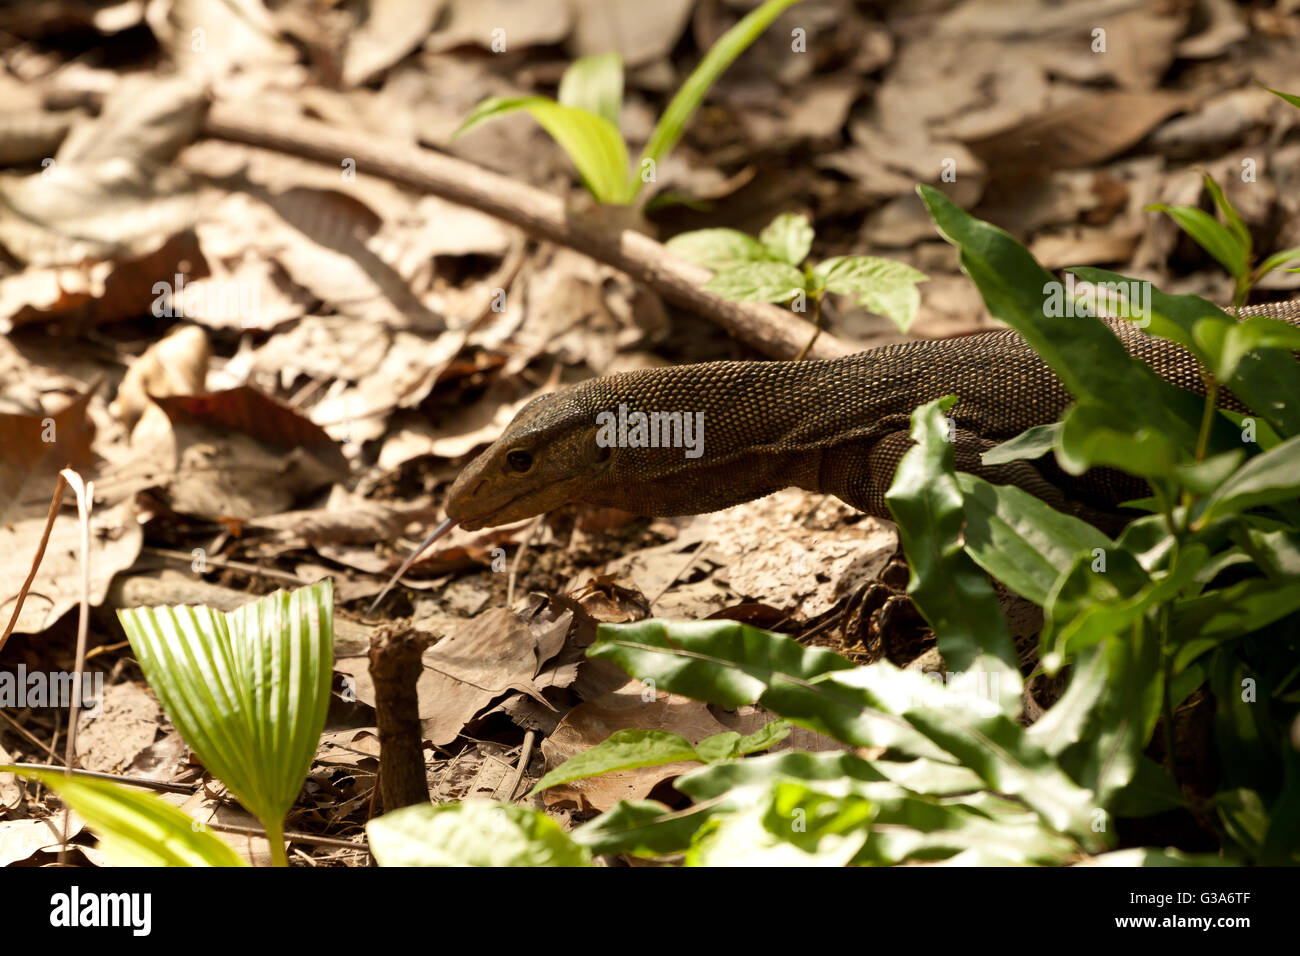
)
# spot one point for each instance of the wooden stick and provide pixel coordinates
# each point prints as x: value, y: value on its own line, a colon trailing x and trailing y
x: 769, y: 329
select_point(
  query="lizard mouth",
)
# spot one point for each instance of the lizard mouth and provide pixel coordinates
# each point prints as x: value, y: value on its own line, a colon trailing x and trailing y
x: 514, y: 509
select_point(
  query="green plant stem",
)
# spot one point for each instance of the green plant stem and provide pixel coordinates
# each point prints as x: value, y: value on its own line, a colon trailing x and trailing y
x: 275, y: 834
x: 817, y: 327
x: 1207, y: 415
x: 1166, y: 696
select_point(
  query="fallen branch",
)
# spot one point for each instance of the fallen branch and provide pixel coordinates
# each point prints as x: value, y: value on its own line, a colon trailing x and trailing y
x: 769, y: 329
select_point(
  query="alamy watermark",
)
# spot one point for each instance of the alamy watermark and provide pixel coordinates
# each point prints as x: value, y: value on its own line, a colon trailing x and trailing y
x: 210, y: 298
x: 626, y: 429
x: 1130, y: 299
x: 23, y: 688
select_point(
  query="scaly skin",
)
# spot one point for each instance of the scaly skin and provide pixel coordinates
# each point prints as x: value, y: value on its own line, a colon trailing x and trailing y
x: 837, y: 426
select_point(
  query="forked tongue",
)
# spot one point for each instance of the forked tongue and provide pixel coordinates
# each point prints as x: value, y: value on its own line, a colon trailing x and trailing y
x: 423, y: 546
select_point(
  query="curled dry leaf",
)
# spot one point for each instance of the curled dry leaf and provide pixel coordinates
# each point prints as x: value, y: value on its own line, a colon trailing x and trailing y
x: 175, y: 365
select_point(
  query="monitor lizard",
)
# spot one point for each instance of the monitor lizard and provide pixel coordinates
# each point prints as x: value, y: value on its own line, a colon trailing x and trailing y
x: 836, y: 426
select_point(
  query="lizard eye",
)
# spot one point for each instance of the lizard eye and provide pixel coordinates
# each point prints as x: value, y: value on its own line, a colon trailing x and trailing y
x: 519, y: 461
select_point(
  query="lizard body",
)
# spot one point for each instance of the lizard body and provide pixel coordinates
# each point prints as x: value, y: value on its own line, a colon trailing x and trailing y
x: 837, y: 426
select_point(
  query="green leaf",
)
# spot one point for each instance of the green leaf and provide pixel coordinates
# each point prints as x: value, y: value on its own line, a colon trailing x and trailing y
x: 788, y: 238
x: 247, y: 689
x: 1087, y: 606
x: 622, y: 750
x: 883, y: 286
x: 688, y: 99
x: 1085, y: 355
x: 717, y: 248
x: 1211, y: 235
x: 1021, y: 540
x: 1006, y: 759
x: 712, y: 782
x: 952, y: 594
x: 757, y: 282
x: 730, y: 745
x: 719, y: 662
x: 1276, y: 552
x: 1268, y: 478
x: 1289, y: 97
x: 1264, y: 380
x: 134, y: 828
x: 643, y: 828
x: 1099, y: 727
x: 1256, y: 332
x: 1230, y: 612
x: 1230, y: 215
x: 1092, y: 436
x: 794, y: 825
x: 1275, y: 261
x: 729, y: 664
x: 594, y: 84
x: 1029, y: 444
x: 474, y: 833
x: 592, y: 142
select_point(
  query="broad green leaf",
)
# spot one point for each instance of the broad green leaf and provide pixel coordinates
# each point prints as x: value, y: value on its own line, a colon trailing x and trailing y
x: 976, y: 831
x: 757, y: 282
x: 1211, y: 235
x: 1087, y: 606
x: 1256, y: 332
x: 1021, y: 540
x: 882, y: 286
x: 909, y: 825
x: 247, y: 689
x: 1264, y: 380
x: 1151, y: 791
x: 730, y: 664
x: 788, y: 238
x: 1268, y: 478
x: 1092, y: 436
x: 795, y: 825
x: 1085, y: 355
x: 717, y: 248
x: 630, y: 749
x: 1203, y: 477
x: 728, y: 746
x: 592, y: 142
x: 1029, y: 444
x: 1099, y: 727
x: 1276, y: 552
x: 135, y: 828
x: 719, y: 662
x: 473, y: 833
x: 712, y: 782
x: 1010, y: 763
x: 952, y: 594
x: 622, y: 750
x: 1230, y: 612
x: 1245, y: 819
x: 643, y: 828
x: 730, y: 45
x: 594, y: 84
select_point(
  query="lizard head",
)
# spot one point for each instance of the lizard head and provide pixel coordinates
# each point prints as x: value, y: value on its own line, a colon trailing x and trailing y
x: 547, y: 457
